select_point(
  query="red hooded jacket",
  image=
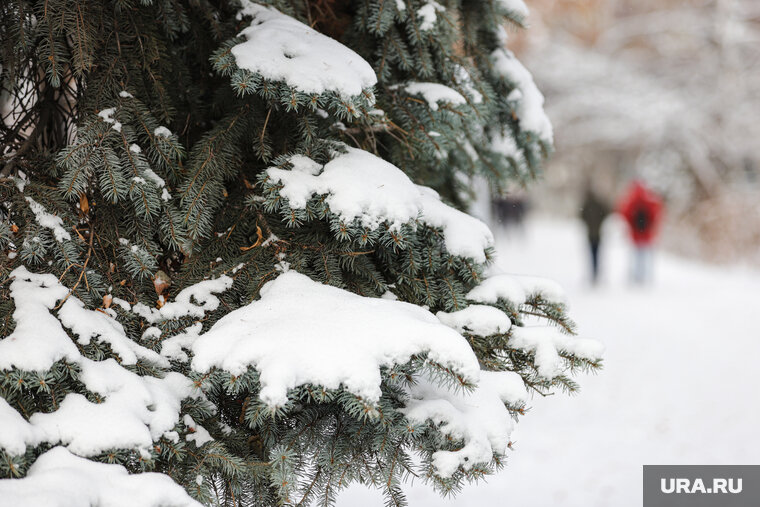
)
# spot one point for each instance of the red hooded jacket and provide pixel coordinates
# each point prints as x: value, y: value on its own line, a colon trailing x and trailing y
x: 642, y: 210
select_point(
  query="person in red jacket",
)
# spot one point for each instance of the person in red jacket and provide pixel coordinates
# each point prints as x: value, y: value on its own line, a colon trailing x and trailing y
x: 642, y: 210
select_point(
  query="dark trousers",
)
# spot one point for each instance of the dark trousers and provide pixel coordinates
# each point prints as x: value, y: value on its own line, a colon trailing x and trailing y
x: 594, y: 247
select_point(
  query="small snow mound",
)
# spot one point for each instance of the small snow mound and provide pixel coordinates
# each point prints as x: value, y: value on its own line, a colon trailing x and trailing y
x: 546, y: 342
x: 162, y: 132
x: 48, y: 221
x: 280, y: 48
x: 428, y: 14
x: 514, y: 6
x: 434, y: 93
x: 516, y: 289
x: 478, y: 320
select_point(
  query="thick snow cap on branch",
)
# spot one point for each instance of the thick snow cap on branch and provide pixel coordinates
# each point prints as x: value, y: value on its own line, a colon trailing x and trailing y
x: 280, y: 48
x: 361, y: 186
x: 61, y: 479
x: 479, y: 418
x: 303, y: 332
x: 530, y: 101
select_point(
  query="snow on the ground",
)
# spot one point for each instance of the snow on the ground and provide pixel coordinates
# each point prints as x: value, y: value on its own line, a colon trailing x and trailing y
x: 678, y: 386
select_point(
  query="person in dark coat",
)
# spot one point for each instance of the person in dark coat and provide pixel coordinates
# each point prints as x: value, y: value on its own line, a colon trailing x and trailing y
x: 593, y: 213
x: 642, y: 210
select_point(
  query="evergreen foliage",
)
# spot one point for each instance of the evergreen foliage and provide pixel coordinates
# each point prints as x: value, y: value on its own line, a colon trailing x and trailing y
x: 134, y: 165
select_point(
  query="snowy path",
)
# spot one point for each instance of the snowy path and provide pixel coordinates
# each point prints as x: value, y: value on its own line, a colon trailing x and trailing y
x: 679, y: 384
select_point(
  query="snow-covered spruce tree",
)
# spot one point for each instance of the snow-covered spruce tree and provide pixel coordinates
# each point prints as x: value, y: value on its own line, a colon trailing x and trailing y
x: 233, y: 265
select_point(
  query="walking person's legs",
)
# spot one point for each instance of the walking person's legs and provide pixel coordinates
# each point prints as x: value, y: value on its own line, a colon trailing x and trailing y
x: 642, y: 264
x: 594, y: 247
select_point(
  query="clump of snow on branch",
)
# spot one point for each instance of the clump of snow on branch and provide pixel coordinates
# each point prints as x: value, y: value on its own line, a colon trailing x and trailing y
x: 135, y: 410
x: 516, y: 289
x: 506, y: 145
x: 175, y: 346
x: 514, y: 6
x: 360, y: 186
x: 479, y: 418
x: 529, y: 100
x: 60, y: 479
x: 162, y: 132
x: 463, y: 234
x: 38, y: 340
x: 428, y: 14
x: 193, y: 301
x: 546, y: 343
x: 198, y: 434
x: 433, y: 93
x: 107, y: 116
x: 88, y: 325
x: 48, y: 221
x: 479, y: 320
x: 280, y: 48
x: 326, y: 336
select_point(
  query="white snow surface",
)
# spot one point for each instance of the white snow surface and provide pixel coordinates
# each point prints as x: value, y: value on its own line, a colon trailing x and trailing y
x: 434, y: 93
x: 137, y: 410
x: 516, y: 6
x: 280, y: 48
x: 38, y: 340
x: 464, y: 235
x: 175, y: 346
x: 547, y: 341
x: 429, y: 14
x: 506, y: 145
x: 479, y: 418
x: 303, y: 332
x: 198, y: 434
x: 361, y: 186
x: 60, y: 479
x: 17, y: 432
x: 162, y: 132
x: 88, y: 324
x: 530, y: 101
x: 192, y: 301
x: 479, y: 320
x: 516, y: 289
x: 48, y: 220
x: 678, y: 382
x: 134, y: 411
x: 107, y: 116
